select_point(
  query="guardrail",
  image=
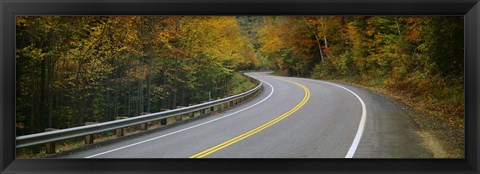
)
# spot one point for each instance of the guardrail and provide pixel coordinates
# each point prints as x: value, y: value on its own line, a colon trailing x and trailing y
x: 88, y: 131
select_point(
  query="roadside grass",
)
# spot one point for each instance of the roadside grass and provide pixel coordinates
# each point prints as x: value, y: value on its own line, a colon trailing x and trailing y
x: 435, y: 100
x: 240, y: 84
x: 280, y: 73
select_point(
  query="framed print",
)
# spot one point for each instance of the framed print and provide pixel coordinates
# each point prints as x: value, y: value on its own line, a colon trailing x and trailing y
x: 248, y: 86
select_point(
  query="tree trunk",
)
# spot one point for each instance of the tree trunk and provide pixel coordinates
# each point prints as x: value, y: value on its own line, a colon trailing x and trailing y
x: 40, y: 120
x: 117, y: 103
x: 140, y: 97
x: 316, y: 37
x: 129, y: 100
x: 164, y: 101
x: 50, y: 92
x: 182, y: 100
x: 325, y: 40
x: 31, y: 122
x: 149, y: 85
x: 174, y: 96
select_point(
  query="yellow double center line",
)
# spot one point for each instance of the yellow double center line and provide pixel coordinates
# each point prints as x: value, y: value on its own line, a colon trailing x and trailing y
x: 260, y: 128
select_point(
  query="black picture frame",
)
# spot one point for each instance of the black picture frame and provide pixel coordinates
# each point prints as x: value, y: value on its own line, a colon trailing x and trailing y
x: 10, y: 8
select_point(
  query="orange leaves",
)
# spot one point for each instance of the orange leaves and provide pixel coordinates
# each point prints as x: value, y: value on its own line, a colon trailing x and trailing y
x: 419, y: 55
x: 178, y: 52
x: 413, y: 32
x: 170, y: 19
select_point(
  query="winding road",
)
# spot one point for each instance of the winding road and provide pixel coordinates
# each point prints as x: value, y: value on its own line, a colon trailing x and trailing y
x: 291, y: 118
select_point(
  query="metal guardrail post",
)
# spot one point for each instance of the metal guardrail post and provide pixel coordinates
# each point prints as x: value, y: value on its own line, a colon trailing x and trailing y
x: 50, y: 147
x: 179, y: 118
x: 164, y: 120
x: 191, y: 114
x: 225, y: 106
x: 120, y: 132
x: 144, y: 126
x: 89, y: 138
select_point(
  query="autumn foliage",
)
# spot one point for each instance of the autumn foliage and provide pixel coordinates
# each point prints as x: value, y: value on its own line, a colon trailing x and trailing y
x: 72, y: 70
x: 418, y: 58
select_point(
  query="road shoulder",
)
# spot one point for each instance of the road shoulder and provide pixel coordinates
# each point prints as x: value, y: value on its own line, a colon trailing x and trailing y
x: 442, y: 139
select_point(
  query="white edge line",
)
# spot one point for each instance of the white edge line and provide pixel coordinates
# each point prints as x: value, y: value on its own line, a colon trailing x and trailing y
x: 181, y: 130
x: 361, y: 125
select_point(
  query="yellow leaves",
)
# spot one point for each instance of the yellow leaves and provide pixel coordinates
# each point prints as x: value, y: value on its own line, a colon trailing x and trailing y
x: 353, y: 33
x: 369, y: 32
x: 33, y: 52
x: 270, y: 39
x: 22, y: 21
x: 218, y: 37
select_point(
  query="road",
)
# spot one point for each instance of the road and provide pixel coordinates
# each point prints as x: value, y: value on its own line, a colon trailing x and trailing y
x: 291, y: 118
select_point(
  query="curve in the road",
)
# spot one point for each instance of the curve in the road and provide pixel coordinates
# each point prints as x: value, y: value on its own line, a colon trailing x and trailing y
x: 300, y: 105
x: 259, y: 128
x: 191, y: 127
x: 361, y: 126
x: 332, y: 124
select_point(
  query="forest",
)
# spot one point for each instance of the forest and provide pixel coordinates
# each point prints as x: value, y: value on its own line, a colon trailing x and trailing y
x: 420, y: 59
x: 76, y: 69
x: 72, y: 70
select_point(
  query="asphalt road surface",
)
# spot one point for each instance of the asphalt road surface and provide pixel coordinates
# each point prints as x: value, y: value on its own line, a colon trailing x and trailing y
x: 291, y: 118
